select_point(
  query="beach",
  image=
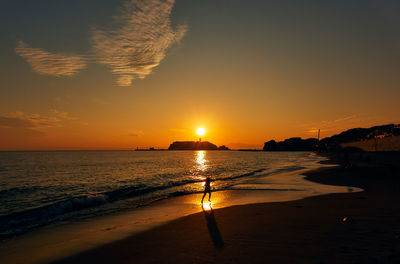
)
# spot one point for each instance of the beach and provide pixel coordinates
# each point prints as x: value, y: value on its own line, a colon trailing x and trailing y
x: 360, y: 227
x: 332, y: 213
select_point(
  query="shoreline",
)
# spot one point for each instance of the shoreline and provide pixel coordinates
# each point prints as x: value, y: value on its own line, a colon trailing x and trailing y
x: 335, y: 228
x: 57, y: 242
x: 201, y: 231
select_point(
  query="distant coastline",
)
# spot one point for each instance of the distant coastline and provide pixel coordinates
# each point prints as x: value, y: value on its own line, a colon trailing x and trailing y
x: 376, y: 138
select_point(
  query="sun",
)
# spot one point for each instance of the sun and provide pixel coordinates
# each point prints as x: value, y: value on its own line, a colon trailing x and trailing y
x: 201, y: 131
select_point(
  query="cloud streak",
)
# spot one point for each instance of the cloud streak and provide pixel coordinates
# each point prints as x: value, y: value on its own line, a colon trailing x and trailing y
x: 140, y: 42
x: 330, y: 126
x: 62, y: 115
x: 132, y: 48
x: 34, y: 122
x: 134, y: 134
x: 48, y: 63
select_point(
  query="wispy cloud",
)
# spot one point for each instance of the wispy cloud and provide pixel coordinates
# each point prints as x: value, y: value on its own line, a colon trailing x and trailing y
x: 134, y: 134
x: 335, y: 125
x: 29, y: 121
x: 13, y: 121
x: 140, y: 42
x: 132, y: 48
x: 34, y: 122
x: 47, y: 63
x: 344, y: 119
x: 62, y: 115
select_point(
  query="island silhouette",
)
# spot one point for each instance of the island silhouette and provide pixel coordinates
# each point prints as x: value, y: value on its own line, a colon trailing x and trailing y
x: 195, y: 145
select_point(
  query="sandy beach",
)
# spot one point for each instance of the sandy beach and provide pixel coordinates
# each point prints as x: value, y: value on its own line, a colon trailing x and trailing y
x: 65, y: 239
x: 360, y: 227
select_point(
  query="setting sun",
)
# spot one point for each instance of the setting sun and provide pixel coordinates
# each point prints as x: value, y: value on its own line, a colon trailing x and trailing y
x: 201, y: 131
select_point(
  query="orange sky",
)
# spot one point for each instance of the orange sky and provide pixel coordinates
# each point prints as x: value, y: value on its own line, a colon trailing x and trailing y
x: 246, y: 72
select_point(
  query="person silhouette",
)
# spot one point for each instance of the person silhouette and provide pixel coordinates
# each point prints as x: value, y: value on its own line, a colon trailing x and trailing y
x: 207, y: 189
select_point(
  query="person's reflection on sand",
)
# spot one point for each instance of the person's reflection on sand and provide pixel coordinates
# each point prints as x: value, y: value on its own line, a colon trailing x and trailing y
x: 213, y: 227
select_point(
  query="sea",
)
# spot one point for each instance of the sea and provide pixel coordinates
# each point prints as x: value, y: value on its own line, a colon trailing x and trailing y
x: 48, y: 187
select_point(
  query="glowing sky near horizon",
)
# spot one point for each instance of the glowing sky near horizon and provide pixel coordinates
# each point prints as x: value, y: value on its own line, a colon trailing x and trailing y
x: 117, y: 74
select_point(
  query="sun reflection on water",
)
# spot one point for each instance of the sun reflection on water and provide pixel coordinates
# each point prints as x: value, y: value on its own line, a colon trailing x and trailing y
x: 200, y: 167
x: 200, y: 160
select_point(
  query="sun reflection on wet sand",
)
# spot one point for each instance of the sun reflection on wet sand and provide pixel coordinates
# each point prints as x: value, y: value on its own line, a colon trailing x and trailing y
x: 207, y: 206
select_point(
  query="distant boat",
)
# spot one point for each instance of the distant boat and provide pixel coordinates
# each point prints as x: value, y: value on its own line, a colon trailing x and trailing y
x: 149, y: 149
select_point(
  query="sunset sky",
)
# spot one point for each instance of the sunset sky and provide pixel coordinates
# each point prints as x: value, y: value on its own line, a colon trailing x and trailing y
x: 121, y: 74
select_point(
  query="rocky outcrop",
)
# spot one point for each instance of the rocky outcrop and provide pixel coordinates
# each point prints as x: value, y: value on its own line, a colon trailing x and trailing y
x: 223, y: 147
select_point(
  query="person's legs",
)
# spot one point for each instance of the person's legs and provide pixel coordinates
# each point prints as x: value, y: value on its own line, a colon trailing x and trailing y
x: 209, y: 196
x: 203, y: 197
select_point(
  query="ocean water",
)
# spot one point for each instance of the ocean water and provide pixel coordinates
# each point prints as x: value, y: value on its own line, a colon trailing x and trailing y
x: 44, y: 188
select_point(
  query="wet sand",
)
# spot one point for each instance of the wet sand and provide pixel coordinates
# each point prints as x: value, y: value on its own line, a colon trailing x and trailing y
x: 362, y: 227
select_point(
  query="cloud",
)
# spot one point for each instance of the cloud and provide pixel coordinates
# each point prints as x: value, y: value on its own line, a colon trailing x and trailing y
x: 134, y: 134
x: 47, y: 63
x: 137, y: 43
x: 62, y: 115
x: 29, y: 121
x: 141, y: 40
x: 333, y: 125
x: 8, y: 121
x: 14, y: 124
x: 346, y: 118
x: 34, y: 122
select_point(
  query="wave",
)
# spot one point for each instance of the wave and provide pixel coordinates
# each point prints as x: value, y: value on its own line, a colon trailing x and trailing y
x: 18, y: 190
x: 20, y: 222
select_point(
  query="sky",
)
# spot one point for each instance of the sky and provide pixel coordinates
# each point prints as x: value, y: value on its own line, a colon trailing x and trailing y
x: 122, y: 74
